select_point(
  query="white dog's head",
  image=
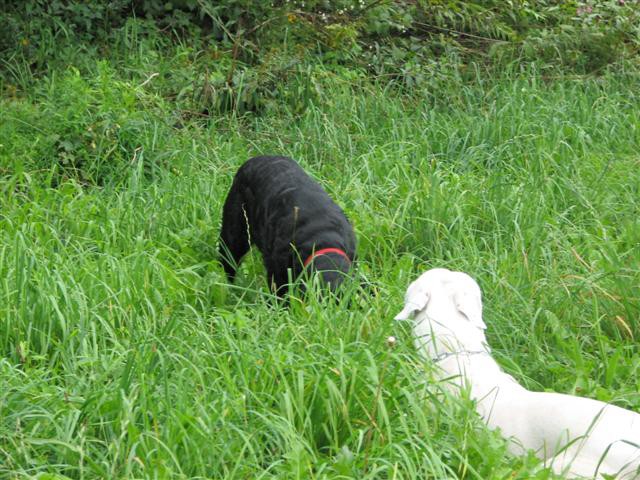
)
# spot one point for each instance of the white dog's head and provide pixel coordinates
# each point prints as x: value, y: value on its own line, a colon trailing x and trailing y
x: 442, y: 293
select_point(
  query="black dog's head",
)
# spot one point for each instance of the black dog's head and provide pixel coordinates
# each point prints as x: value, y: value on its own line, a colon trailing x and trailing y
x: 331, y: 268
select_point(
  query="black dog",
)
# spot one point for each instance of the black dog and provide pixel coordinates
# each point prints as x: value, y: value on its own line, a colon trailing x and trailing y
x: 275, y: 205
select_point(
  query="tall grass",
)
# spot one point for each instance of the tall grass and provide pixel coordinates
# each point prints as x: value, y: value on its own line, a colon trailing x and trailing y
x: 125, y: 354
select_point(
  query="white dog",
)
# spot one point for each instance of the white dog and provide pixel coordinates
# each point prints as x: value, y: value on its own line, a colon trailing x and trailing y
x: 577, y: 437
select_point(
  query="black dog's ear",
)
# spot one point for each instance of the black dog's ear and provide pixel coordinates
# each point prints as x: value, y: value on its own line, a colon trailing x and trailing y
x: 333, y: 270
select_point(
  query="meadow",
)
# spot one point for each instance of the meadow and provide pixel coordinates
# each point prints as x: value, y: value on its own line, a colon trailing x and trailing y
x: 125, y: 353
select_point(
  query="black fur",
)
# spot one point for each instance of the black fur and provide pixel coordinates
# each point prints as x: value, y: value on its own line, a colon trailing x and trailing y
x: 275, y: 205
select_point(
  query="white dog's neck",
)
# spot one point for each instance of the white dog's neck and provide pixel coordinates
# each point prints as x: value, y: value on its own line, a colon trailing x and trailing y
x: 442, y: 332
x: 459, y: 350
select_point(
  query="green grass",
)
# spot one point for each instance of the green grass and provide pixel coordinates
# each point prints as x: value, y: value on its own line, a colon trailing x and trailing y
x: 126, y: 355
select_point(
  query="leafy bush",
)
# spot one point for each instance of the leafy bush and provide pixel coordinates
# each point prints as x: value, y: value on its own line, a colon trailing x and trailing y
x: 93, y: 129
x: 259, y: 46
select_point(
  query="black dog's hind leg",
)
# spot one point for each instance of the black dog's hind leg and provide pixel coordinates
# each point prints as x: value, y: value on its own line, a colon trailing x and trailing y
x: 234, y: 234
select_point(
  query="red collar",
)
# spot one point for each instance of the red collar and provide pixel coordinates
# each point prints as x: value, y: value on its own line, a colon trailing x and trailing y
x: 324, y: 251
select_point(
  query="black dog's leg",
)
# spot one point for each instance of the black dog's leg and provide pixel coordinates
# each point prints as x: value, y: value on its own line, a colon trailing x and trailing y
x: 277, y: 282
x: 234, y: 234
x: 277, y: 275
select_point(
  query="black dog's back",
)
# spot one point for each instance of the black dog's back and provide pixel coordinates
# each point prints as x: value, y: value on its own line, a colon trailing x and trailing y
x: 276, y: 205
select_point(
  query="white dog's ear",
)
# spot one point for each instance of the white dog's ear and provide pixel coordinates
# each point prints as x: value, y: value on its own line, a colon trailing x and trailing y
x: 415, y: 300
x: 471, y: 307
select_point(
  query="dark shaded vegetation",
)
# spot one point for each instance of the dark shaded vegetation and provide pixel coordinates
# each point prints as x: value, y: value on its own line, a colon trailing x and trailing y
x: 109, y: 70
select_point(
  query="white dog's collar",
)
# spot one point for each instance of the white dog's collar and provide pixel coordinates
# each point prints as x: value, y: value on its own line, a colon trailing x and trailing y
x: 445, y: 355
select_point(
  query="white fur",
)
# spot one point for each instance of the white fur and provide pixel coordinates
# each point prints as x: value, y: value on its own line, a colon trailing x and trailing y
x: 576, y: 436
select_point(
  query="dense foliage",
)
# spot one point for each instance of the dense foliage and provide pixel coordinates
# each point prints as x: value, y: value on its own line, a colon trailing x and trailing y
x: 244, y: 56
x: 253, y: 44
